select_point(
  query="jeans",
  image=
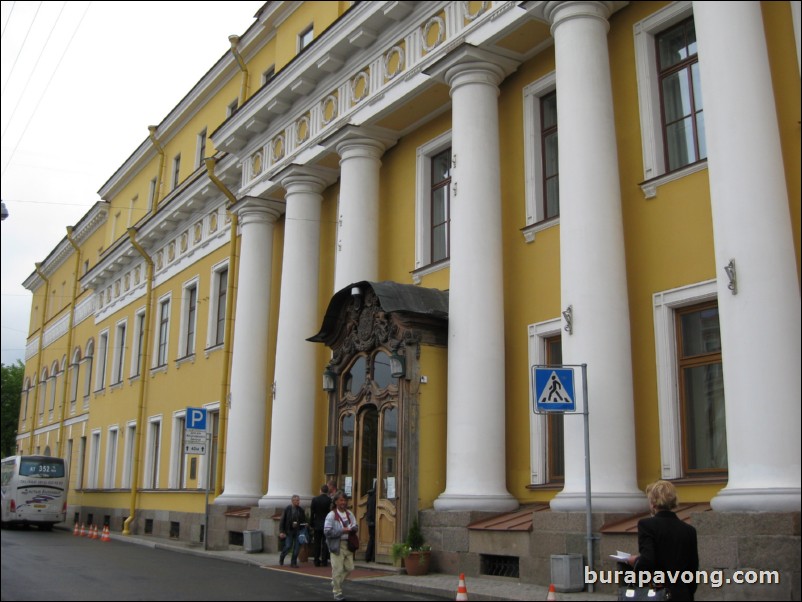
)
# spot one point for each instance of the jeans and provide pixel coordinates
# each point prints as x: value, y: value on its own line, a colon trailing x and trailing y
x: 291, y: 542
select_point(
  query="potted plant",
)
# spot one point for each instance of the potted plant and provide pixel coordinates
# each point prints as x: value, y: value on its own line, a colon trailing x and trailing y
x: 414, y: 552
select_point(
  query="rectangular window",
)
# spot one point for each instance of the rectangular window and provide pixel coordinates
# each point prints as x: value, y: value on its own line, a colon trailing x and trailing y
x: 701, y: 390
x: 43, y: 393
x: 221, y: 290
x: 111, y: 460
x: 305, y: 37
x: 128, y: 459
x: 232, y: 107
x: 201, y: 152
x: 153, y: 453
x: 139, y: 349
x: 81, y: 460
x: 441, y: 205
x: 680, y: 95
x: 119, y: 354
x: 94, y: 461
x: 551, y: 169
x: 102, y: 358
x: 178, y: 463
x: 53, y: 388
x: 164, y: 330
x: 152, y: 194
x: 176, y: 170
x: 88, y: 361
x: 556, y: 436
x: 208, y: 462
x: 268, y: 75
x: 188, y: 320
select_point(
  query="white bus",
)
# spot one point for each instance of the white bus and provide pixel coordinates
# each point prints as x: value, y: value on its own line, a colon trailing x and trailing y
x: 34, y: 491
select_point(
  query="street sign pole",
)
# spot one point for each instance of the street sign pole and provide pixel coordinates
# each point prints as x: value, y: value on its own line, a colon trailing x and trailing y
x: 553, y: 393
x: 208, y: 483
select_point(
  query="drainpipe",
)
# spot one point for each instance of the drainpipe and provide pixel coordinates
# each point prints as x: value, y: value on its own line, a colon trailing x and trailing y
x: 144, y: 363
x: 243, y: 92
x: 70, y: 324
x: 157, y: 194
x: 232, y: 268
x: 38, y: 269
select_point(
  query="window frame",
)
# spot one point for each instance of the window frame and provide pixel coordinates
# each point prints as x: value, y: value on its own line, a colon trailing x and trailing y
x: 118, y: 360
x: 189, y: 319
x: 200, y: 152
x: 423, y: 206
x: 649, y: 99
x: 128, y: 457
x: 110, y: 475
x: 665, y: 304
x: 539, y: 334
x: 533, y: 156
x: 137, y: 353
x: 216, y: 331
x: 100, y: 366
x: 176, y: 171
x: 150, y: 477
x: 306, y: 37
x: 161, y: 350
x: 178, y: 459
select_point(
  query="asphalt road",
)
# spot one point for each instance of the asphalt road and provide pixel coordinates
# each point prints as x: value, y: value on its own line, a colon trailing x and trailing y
x: 40, y: 565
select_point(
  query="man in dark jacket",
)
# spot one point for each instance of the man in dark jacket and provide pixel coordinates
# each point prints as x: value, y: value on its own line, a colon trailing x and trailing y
x: 321, y: 506
x: 292, y: 521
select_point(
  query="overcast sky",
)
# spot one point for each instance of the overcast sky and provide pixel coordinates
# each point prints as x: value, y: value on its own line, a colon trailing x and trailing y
x: 81, y: 81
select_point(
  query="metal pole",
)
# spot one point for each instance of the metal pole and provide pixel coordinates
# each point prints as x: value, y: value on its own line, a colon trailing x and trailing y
x: 588, y: 503
x: 208, y: 482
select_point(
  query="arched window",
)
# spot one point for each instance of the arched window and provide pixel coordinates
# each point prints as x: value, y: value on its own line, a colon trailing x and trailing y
x: 75, y: 368
x: 42, y: 391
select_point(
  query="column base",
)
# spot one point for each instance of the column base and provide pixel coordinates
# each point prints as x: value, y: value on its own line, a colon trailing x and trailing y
x: 278, y: 500
x: 600, y: 502
x: 763, y: 499
x: 235, y: 499
x: 484, y: 503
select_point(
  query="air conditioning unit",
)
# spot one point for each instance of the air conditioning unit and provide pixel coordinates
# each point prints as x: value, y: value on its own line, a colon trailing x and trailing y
x: 566, y: 572
x: 252, y: 541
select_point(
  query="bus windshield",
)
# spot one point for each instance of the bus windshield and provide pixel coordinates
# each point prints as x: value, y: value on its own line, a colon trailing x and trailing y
x: 46, y: 468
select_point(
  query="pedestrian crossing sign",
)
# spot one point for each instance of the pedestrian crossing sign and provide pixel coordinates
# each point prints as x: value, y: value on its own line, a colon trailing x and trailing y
x: 554, y: 389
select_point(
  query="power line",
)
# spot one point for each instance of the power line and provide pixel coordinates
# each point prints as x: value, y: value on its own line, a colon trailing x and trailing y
x: 47, y: 87
x: 30, y: 27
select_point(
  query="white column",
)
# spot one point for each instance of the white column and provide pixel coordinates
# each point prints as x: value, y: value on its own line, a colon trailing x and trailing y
x: 297, y: 380
x: 245, y: 436
x: 592, y: 263
x: 358, y: 231
x: 475, y: 448
x: 760, y: 325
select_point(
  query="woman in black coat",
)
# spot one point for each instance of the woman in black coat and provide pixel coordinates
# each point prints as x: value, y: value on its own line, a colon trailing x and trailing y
x: 667, y: 545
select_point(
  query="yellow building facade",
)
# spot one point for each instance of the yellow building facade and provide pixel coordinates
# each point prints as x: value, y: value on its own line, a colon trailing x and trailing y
x: 355, y: 237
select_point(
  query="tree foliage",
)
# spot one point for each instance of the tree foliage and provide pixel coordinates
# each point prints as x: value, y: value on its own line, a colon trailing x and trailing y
x: 10, y: 390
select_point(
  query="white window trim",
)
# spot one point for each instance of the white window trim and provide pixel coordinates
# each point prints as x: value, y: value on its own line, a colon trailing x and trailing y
x: 158, y: 328
x: 176, y: 173
x: 200, y: 149
x: 533, y: 155
x: 135, y: 346
x: 214, y: 297
x: 128, y: 459
x: 111, y: 457
x: 89, y: 360
x: 310, y: 29
x: 102, y: 357
x: 649, y: 97
x: 232, y: 107
x: 94, y: 459
x: 538, y: 423
x: 665, y: 305
x: 184, y: 325
x: 118, y: 360
x: 151, y: 459
x: 75, y: 373
x: 203, y: 464
x: 177, y: 451
x: 423, y: 206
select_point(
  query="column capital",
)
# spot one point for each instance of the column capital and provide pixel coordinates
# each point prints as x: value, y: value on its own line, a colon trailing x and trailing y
x: 303, y: 178
x: 251, y: 209
x: 364, y: 141
x: 558, y: 12
x: 468, y: 64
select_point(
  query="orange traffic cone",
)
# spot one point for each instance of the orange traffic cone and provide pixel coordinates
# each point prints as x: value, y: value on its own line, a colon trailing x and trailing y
x: 93, y: 533
x: 462, y: 591
x: 83, y: 530
x: 552, y: 594
x: 106, y: 534
x: 76, y: 531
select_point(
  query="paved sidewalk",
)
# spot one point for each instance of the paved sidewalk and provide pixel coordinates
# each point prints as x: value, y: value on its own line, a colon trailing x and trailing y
x: 435, y: 584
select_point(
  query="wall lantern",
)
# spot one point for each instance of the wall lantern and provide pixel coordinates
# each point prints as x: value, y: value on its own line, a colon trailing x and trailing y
x: 328, y: 380
x: 397, y: 365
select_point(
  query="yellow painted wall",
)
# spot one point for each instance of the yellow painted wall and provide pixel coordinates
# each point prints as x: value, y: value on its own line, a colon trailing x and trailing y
x: 318, y: 14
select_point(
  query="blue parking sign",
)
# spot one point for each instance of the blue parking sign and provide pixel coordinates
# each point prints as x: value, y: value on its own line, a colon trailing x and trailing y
x: 196, y: 418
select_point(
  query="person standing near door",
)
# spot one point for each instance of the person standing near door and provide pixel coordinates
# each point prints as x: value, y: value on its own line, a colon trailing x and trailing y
x: 292, y: 521
x: 320, y: 508
x: 339, y: 523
